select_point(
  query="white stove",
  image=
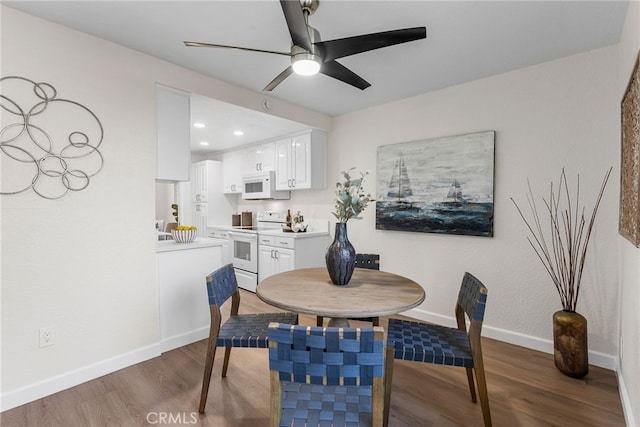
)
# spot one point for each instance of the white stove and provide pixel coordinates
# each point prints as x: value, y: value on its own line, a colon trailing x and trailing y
x: 243, y: 244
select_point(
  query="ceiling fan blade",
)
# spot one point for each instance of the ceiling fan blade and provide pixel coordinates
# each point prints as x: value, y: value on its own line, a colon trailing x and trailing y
x: 297, y: 24
x: 342, y: 73
x: 279, y: 79
x: 338, y: 48
x: 202, y: 44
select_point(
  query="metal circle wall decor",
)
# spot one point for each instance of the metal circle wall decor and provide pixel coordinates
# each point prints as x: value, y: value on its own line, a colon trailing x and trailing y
x: 47, y: 144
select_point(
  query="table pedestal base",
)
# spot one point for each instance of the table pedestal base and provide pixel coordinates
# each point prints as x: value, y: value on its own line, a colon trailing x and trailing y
x: 338, y: 322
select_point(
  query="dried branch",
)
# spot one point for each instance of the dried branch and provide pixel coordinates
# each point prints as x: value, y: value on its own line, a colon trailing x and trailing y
x: 562, y: 245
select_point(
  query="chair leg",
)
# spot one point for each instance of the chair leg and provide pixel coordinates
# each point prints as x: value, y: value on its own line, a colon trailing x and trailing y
x: 482, y: 391
x: 208, y: 368
x: 472, y: 389
x: 211, y: 354
x: 320, y: 321
x: 225, y: 365
x: 388, y: 379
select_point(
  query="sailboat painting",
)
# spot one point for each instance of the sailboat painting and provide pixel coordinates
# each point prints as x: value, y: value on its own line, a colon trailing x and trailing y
x: 440, y: 185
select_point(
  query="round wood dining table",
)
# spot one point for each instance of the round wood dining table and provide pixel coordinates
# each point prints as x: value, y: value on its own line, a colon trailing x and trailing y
x: 369, y: 293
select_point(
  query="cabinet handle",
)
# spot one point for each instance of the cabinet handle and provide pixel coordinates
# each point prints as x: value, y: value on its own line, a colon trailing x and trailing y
x: 277, y: 255
x: 293, y: 182
x: 272, y: 251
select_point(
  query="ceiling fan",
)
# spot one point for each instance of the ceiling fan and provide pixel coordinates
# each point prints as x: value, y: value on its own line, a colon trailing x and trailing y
x: 309, y: 55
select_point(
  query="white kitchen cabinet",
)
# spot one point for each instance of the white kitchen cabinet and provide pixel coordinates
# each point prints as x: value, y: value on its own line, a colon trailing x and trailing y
x: 207, y: 204
x: 277, y: 254
x: 272, y: 260
x: 301, y: 161
x: 233, y: 167
x: 223, y: 235
x: 199, y: 182
x: 173, y: 134
x: 199, y: 216
x: 260, y: 158
x: 182, y: 290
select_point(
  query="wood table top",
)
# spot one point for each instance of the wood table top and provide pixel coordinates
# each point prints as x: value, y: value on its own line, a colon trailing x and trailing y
x: 369, y: 293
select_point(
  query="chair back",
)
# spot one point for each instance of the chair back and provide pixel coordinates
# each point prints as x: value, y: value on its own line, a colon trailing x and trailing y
x: 370, y: 261
x: 472, y: 297
x: 330, y: 356
x: 325, y: 373
x: 221, y: 284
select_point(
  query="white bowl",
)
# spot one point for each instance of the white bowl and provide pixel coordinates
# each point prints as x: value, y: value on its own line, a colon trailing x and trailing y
x: 184, y: 236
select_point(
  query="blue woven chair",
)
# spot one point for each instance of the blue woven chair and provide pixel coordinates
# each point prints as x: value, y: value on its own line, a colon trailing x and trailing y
x: 239, y: 330
x: 442, y: 345
x: 326, y: 376
x: 372, y: 262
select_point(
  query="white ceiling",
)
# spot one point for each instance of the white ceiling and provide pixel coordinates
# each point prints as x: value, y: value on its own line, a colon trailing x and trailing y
x: 223, y: 119
x: 466, y: 40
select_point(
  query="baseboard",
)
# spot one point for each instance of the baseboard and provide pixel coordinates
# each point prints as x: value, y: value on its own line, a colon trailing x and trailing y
x: 176, y: 341
x: 601, y: 360
x: 627, y: 407
x: 40, y: 389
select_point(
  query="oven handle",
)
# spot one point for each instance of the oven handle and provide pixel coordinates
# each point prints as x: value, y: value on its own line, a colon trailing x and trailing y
x: 247, y: 237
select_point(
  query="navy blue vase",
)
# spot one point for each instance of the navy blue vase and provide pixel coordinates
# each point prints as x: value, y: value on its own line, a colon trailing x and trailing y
x: 341, y: 256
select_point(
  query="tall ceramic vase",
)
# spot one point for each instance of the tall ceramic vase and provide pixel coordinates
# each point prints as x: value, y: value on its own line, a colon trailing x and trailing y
x: 570, y: 349
x: 341, y: 256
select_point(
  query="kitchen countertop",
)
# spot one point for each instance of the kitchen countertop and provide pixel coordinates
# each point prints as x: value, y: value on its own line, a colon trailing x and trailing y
x: 302, y: 235
x: 315, y: 228
x: 199, y: 242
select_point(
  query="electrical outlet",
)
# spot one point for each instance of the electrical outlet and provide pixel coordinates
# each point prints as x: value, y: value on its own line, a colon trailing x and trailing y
x: 47, y: 336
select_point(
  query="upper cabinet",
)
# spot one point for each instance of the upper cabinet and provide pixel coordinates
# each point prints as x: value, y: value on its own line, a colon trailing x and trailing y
x: 232, y: 169
x: 173, y: 134
x: 260, y: 158
x: 301, y: 161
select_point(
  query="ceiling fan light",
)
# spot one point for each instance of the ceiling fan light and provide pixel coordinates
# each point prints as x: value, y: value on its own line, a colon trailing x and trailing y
x: 306, y: 64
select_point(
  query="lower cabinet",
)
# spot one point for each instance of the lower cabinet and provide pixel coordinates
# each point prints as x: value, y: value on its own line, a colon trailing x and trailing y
x: 222, y: 234
x: 277, y: 254
x: 182, y: 290
x: 273, y: 260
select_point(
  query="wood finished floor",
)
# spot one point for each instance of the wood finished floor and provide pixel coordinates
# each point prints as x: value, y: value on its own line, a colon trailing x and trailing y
x: 525, y: 389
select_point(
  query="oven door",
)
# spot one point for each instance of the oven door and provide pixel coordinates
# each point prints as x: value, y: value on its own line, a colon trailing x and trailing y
x: 244, y: 251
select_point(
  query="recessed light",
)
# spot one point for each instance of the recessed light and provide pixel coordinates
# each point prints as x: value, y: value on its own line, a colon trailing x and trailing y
x: 204, y: 143
x: 238, y: 133
x: 198, y: 125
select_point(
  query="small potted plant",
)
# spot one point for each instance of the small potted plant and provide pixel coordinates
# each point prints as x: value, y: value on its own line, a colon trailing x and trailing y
x: 559, y: 234
x: 351, y: 200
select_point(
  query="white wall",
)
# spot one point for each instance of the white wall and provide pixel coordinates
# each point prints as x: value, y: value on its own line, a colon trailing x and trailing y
x: 559, y: 114
x: 629, y: 370
x: 86, y: 263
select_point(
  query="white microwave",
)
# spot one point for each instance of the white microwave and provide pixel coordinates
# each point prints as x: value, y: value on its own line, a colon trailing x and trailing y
x: 262, y: 186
